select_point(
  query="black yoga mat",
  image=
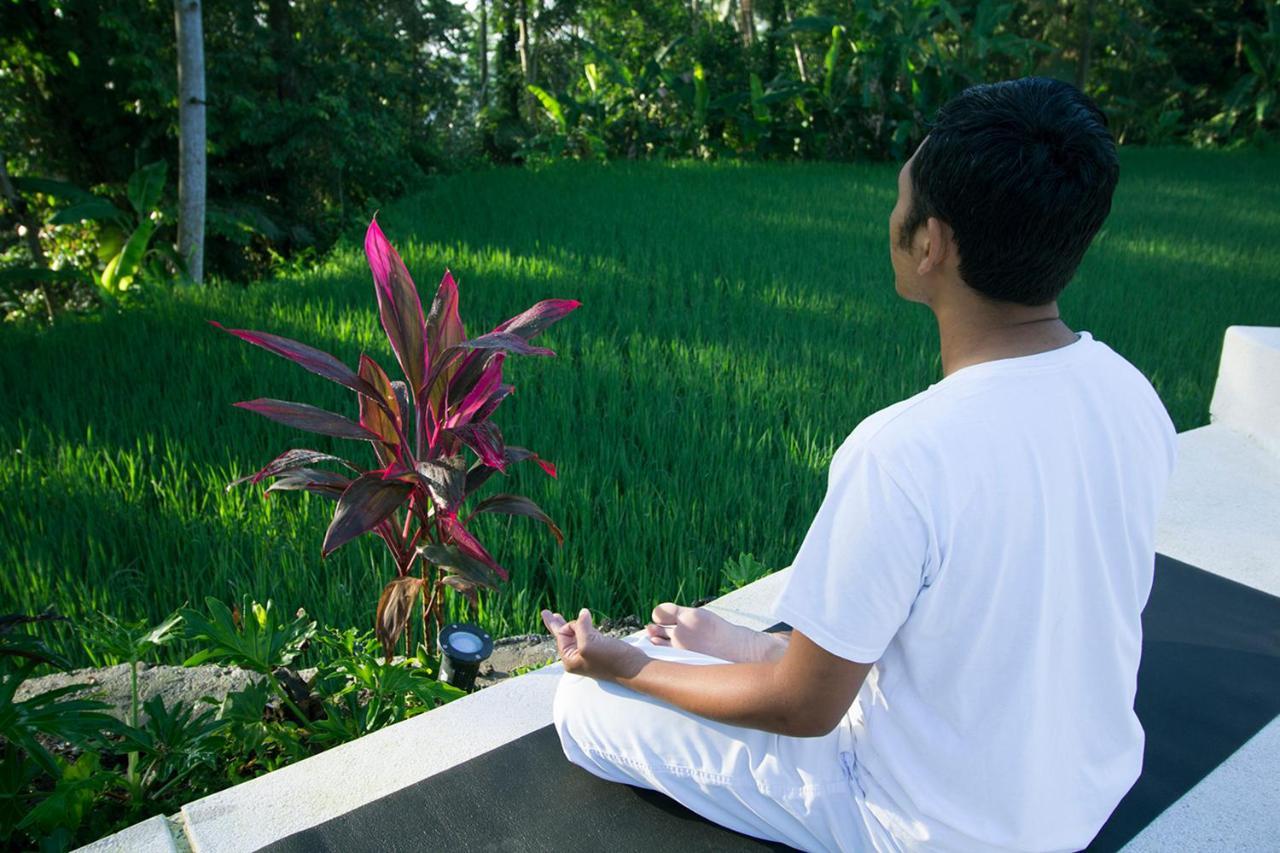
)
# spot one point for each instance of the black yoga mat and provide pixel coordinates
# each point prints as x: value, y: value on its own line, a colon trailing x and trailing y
x: 1209, y: 680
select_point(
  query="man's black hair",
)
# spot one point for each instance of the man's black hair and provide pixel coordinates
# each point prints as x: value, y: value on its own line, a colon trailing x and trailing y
x: 1023, y: 172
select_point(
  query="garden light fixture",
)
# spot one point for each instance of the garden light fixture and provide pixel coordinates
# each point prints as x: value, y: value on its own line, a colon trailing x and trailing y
x: 464, y: 646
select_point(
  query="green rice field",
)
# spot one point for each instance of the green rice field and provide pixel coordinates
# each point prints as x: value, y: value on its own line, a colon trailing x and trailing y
x: 738, y: 320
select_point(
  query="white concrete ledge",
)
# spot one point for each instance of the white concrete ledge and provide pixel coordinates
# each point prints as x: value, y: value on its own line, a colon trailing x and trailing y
x: 154, y: 835
x: 1246, y: 397
x: 1233, y: 808
x: 1222, y: 510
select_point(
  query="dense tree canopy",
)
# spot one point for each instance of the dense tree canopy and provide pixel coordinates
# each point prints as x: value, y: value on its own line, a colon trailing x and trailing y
x: 318, y: 110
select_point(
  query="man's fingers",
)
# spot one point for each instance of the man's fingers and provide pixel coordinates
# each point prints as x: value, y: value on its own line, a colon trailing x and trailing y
x: 562, y: 631
x: 656, y: 630
x: 554, y: 621
x: 665, y: 613
x: 582, y: 626
x: 658, y: 635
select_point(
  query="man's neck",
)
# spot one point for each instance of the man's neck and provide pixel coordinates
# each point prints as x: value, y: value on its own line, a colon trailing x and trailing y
x: 976, y: 331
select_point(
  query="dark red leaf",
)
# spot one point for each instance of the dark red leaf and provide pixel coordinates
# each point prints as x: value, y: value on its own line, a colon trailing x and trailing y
x: 308, y: 418
x: 458, y: 535
x: 394, y: 607
x: 491, y: 404
x: 325, y: 483
x: 444, y: 324
x: 484, y: 388
x: 374, y: 416
x: 540, y: 316
x: 444, y: 480
x: 453, y: 560
x: 367, y: 501
x: 485, y: 439
x: 520, y: 454
x: 479, y: 473
x: 404, y: 400
x: 517, y: 505
x: 505, y: 342
x: 462, y: 585
x: 458, y: 367
x: 287, y: 461
x: 317, y: 361
x: 399, y: 307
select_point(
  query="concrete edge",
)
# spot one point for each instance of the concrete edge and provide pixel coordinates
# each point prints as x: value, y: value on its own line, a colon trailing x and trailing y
x: 1233, y: 808
x: 1246, y: 395
x: 153, y: 834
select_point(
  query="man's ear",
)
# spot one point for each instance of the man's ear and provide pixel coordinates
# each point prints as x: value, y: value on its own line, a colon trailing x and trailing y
x: 937, y: 242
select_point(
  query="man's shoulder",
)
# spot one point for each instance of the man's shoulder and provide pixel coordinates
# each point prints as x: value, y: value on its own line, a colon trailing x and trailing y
x: 894, y: 428
x: 979, y: 408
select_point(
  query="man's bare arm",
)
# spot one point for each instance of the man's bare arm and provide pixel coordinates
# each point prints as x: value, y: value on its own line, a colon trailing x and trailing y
x: 803, y: 691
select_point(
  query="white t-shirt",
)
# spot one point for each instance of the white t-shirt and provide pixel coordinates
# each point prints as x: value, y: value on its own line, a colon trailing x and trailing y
x: 989, y: 543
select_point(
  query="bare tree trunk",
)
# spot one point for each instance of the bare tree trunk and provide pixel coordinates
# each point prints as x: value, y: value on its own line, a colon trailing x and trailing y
x: 191, y: 136
x: 523, y: 46
x: 747, y: 21
x: 795, y: 43
x: 23, y: 213
x: 484, y: 53
x: 508, y: 56
x: 534, y: 41
x: 1086, y: 43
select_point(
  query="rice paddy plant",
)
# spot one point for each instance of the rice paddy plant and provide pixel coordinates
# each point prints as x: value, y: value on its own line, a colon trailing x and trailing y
x: 737, y: 321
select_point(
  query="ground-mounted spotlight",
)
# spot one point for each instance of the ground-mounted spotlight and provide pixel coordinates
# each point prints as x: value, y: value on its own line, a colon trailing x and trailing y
x: 464, y: 646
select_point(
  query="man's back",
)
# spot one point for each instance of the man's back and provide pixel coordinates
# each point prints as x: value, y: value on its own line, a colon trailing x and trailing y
x: 989, y: 542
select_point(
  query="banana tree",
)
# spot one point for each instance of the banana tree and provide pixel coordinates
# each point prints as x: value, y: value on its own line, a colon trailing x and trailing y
x: 126, y: 241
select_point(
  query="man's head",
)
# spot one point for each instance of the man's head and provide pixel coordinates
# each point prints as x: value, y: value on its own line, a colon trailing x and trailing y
x: 1007, y: 191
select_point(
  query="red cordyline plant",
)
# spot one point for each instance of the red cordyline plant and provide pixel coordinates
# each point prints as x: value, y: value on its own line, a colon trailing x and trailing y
x: 419, y: 429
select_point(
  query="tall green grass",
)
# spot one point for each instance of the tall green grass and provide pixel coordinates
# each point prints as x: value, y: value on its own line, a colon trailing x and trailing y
x: 737, y: 322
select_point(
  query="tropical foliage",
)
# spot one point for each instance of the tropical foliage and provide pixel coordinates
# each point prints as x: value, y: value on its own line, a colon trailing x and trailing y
x: 71, y: 772
x: 320, y: 110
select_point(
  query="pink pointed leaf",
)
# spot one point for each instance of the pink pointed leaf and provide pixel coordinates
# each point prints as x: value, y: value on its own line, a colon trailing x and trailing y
x: 366, y: 502
x: 485, y: 439
x: 399, y: 307
x: 444, y: 323
x: 539, y: 317
x: 460, y: 366
x: 477, y: 396
x: 479, y: 473
x: 309, y: 418
x: 491, y: 404
x: 456, y: 533
x: 317, y: 361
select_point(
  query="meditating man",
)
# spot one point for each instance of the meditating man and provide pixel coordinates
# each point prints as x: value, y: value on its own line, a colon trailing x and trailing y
x: 966, y: 602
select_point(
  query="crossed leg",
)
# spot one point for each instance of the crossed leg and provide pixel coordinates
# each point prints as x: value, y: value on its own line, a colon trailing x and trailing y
x: 797, y: 791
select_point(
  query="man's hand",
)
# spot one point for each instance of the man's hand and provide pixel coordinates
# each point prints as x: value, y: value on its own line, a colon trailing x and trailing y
x: 701, y: 630
x: 585, y: 651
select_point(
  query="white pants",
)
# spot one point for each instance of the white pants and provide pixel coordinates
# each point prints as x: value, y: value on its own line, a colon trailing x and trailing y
x: 798, y: 791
